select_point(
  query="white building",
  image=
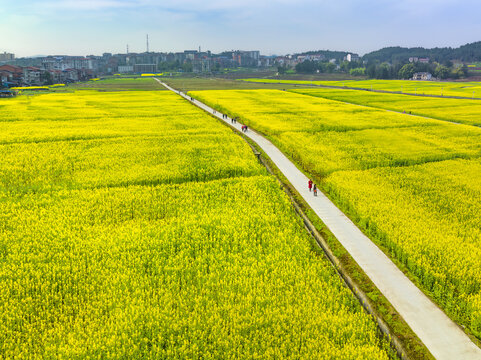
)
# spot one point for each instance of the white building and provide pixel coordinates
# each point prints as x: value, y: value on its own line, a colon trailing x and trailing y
x: 125, y: 69
x: 422, y: 76
x: 352, y: 57
x: 7, y: 57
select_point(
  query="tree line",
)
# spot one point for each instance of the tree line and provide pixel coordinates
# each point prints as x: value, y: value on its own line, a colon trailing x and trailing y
x: 394, y: 63
x: 466, y: 53
x: 406, y: 71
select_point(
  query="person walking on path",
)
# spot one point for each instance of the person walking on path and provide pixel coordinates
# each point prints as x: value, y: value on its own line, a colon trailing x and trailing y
x: 309, y: 185
x: 315, y: 190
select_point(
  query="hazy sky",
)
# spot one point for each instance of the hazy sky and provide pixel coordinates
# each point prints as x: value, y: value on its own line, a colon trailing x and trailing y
x: 83, y: 27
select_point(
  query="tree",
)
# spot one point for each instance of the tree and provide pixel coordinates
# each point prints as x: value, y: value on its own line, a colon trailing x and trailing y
x: 371, y: 71
x: 281, y: 69
x: 345, y: 66
x: 407, y: 71
x: 307, y: 67
x: 357, y: 71
x: 460, y: 72
x: 187, y: 67
x: 383, y: 71
x: 329, y: 67
x: 442, y: 72
x: 448, y: 63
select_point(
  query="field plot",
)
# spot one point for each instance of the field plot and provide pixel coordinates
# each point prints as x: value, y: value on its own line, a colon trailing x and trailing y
x: 208, y: 83
x: 92, y: 115
x: 437, y: 88
x: 454, y: 110
x: 410, y: 183
x: 146, y: 229
x: 118, y: 84
x: 439, y: 204
x: 276, y: 111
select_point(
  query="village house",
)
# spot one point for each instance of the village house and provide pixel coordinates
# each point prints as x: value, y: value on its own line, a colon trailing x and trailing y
x: 422, y: 76
x: 11, y: 75
x: 32, y: 76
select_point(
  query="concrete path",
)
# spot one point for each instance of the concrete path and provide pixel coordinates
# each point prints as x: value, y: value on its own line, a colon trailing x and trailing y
x: 444, y: 339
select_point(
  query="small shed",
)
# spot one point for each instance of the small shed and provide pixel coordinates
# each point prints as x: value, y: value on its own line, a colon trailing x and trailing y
x: 7, y: 93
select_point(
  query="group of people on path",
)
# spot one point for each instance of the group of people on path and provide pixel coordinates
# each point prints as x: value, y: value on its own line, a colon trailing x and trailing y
x: 234, y: 121
x: 312, y: 187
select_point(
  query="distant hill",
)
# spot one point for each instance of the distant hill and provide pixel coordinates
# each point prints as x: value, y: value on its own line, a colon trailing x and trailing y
x: 328, y: 54
x: 468, y: 53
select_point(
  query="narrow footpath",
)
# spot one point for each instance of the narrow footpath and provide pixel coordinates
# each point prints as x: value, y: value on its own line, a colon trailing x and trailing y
x: 444, y: 339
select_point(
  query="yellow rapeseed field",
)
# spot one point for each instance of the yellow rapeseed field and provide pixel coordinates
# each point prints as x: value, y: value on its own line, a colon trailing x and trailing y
x: 135, y: 226
x: 427, y: 216
x: 411, y: 183
x: 454, y: 110
x: 436, y: 88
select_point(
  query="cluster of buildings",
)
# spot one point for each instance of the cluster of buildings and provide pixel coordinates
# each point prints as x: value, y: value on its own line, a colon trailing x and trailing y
x: 65, y: 69
x: 47, y: 70
x: 196, y: 60
x: 293, y: 60
x: 419, y: 60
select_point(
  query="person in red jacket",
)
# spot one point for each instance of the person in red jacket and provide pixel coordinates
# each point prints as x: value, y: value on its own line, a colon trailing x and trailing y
x: 309, y: 184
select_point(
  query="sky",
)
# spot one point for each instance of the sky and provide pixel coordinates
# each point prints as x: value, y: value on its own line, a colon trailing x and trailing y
x: 92, y: 27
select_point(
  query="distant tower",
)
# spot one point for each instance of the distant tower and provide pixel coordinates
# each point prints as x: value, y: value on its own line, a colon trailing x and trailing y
x: 199, y: 49
x: 147, y: 42
x: 127, y: 48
